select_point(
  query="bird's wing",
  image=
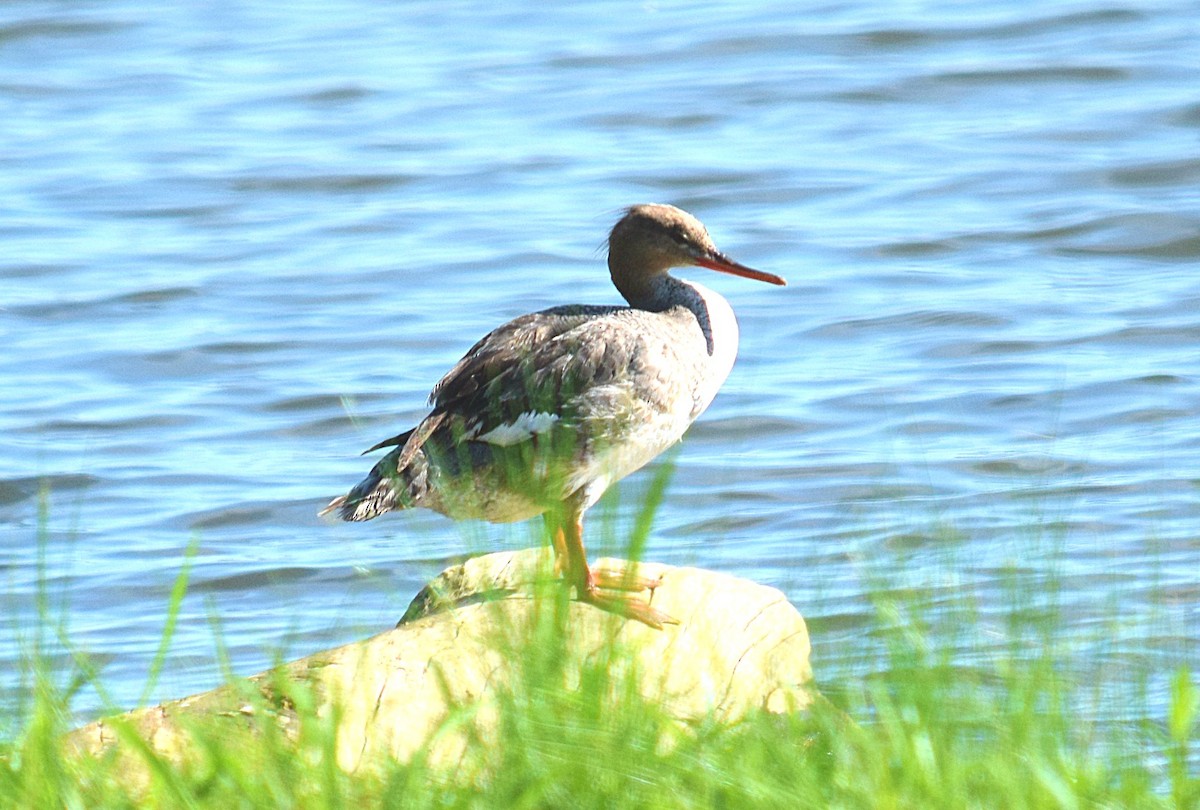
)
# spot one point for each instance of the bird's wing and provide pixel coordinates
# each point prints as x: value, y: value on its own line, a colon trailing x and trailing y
x: 516, y: 369
x: 578, y: 369
x: 395, y: 441
x: 504, y: 347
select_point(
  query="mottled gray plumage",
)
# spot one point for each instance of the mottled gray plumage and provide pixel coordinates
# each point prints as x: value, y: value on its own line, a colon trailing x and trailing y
x: 548, y: 410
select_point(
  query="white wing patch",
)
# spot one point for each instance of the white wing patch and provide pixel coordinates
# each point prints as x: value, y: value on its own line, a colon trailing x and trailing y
x: 525, y: 425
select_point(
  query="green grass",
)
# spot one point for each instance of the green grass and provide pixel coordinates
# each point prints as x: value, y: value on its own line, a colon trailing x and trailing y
x: 918, y: 733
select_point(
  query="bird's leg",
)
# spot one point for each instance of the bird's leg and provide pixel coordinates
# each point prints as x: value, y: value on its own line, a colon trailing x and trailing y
x: 607, y: 578
x: 587, y: 586
x: 560, y: 550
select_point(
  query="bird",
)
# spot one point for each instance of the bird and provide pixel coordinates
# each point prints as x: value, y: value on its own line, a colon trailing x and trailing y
x: 544, y: 413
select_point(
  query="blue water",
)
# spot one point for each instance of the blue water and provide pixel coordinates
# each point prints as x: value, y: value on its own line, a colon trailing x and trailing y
x: 241, y: 243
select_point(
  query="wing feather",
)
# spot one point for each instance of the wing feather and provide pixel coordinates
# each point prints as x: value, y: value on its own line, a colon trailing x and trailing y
x: 577, y: 363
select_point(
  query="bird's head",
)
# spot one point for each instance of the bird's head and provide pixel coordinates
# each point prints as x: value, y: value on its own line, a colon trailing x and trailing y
x: 652, y: 238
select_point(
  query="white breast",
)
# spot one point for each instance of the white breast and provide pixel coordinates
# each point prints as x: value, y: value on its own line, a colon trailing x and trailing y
x: 721, y: 349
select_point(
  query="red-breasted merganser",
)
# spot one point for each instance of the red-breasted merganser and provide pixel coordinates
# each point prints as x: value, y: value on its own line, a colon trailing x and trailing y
x: 546, y: 412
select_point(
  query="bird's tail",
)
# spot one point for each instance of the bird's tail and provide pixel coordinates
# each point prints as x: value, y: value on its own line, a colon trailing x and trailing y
x: 385, y: 489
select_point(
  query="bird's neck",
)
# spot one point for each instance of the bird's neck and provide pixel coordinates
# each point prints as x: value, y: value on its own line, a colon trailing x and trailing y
x: 655, y: 292
x: 711, y: 312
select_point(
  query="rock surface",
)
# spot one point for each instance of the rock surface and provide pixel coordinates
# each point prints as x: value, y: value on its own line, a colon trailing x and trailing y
x: 739, y: 646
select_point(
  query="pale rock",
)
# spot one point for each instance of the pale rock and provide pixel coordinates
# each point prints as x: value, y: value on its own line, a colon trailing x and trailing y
x: 739, y: 647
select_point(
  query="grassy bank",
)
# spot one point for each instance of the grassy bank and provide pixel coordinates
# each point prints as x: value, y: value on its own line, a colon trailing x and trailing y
x: 920, y: 732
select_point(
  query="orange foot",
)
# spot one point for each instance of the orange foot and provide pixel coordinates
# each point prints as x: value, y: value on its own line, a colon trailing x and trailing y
x: 623, y: 605
x: 614, y: 580
x: 629, y: 608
